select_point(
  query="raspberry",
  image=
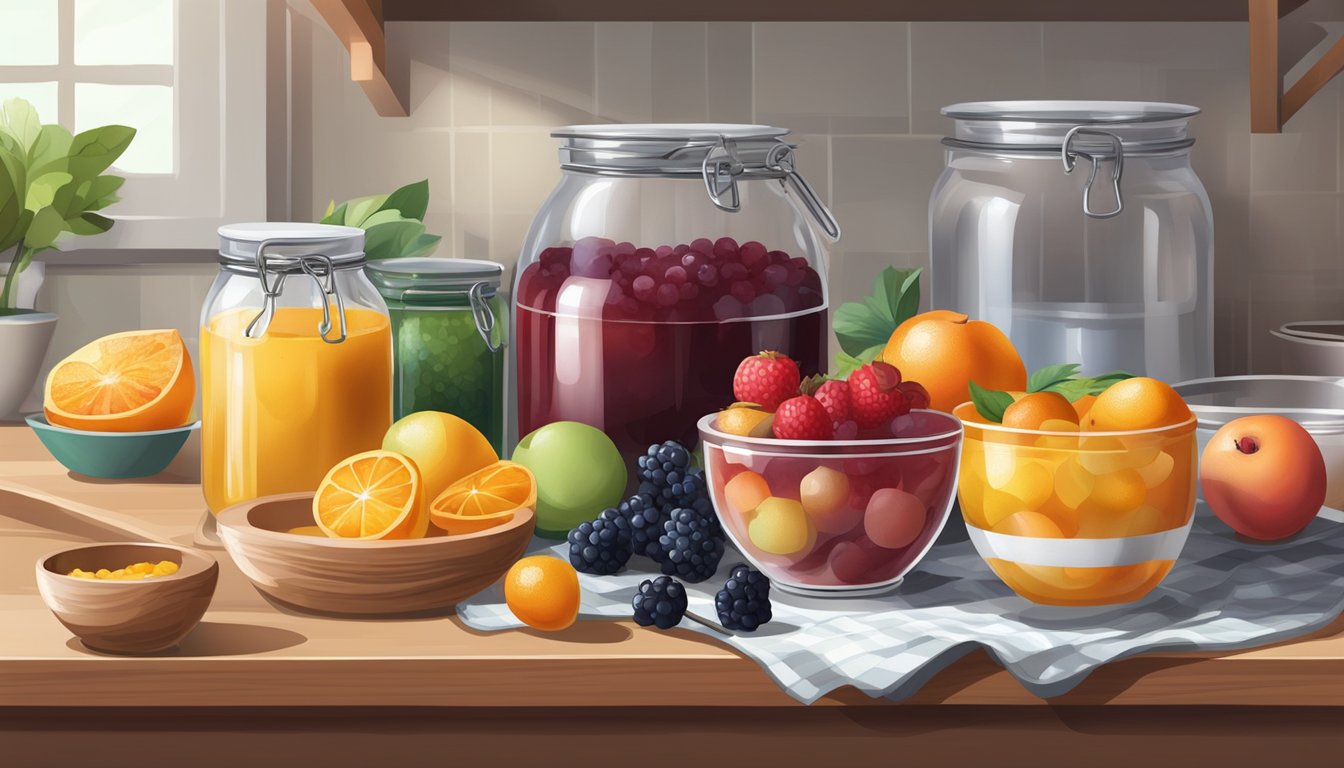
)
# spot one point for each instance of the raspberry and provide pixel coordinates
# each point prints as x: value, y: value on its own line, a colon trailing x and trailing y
x: 833, y: 395
x: 766, y: 379
x: 803, y: 418
x: 874, y: 394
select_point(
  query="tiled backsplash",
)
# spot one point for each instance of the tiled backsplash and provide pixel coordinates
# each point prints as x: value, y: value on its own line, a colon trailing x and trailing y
x: 863, y: 99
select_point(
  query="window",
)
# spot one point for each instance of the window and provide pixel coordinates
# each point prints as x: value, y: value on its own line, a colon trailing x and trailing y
x: 162, y: 67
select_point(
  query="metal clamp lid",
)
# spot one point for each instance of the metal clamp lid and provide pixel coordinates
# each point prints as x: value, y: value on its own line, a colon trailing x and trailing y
x: 721, y: 169
x: 1069, y: 156
x: 272, y: 276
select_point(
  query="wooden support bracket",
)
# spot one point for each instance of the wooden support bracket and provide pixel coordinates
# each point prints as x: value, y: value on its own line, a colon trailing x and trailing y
x: 359, y: 26
x: 1271, y: 105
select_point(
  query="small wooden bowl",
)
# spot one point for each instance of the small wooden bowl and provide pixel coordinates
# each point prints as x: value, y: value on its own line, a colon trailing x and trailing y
x: 132, y: 617
x: 343, y: 577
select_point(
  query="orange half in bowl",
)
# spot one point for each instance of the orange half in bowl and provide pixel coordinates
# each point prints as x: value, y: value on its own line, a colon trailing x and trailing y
x: 485, y: 498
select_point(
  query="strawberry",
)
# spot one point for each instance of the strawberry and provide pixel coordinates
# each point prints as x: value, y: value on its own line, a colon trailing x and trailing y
x: 833, y: 395
x: 767, y: 379
x: 803, y: 418
x: 875, y: 395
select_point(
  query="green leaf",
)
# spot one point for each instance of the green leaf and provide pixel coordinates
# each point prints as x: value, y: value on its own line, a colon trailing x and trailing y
x: 97, y: 194
x: 907, y: 300
x: 1051, y: 374
x: 846, y: 363
x: 384, y: 216
x: 42, y: 190
x: 990, y: 403
x: 895, y: 299
x: 11, y: 238
x: 326, y: 215
x: 89, y: 224
x: 412, y: 200
x: 424, y: 245
x: 857, y: 328
x: 47, y: 225
x: 361, y: 208
x: 19, y: 120
x: 335, y: 215
x: 49, y: 152
x: 95, y: 150
x: 388, y: 241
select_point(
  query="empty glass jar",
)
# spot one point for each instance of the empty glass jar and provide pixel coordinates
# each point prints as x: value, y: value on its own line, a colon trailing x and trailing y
x: 665, y: 255
x: 1080, y: 229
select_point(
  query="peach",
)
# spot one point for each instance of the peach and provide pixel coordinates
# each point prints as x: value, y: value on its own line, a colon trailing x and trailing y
x: 894, y: 518
x: 825, y: 496
x: 1263, y: 476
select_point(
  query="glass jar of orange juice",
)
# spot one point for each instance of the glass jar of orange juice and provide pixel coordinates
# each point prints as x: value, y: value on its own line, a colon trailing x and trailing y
x: 296, y: 360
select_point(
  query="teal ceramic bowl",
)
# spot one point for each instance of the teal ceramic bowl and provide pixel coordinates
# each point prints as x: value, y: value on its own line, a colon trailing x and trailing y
x: 111, y: 455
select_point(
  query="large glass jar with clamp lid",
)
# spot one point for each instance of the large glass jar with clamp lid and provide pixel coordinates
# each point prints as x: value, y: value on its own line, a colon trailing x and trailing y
x: 665, y: 255
x: 296, y: 360
x: 1080, y: 229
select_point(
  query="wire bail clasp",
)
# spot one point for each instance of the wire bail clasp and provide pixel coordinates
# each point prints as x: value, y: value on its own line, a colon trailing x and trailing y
x: 1070, y: 156
x: 721, y: 167
x: 780, y: 158
x: 315, y: 265
x: 320, y: 268
x: 483, y: 314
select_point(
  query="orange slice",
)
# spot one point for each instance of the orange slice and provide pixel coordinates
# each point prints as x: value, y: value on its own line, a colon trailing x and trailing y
x: 137, y: 381
x: 372, y: 495
x: 485, y: 498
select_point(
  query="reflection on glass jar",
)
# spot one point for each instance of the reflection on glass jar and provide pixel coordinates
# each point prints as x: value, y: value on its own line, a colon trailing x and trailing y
x: 296, y: 360
x: 665, y: 255
x: 1080, y: 230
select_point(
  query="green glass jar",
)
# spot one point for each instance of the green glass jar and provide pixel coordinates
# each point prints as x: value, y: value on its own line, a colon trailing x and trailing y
x: 449, y: 334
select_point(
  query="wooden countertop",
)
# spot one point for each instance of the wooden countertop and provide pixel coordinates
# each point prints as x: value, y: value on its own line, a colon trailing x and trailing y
x: 248, y: 653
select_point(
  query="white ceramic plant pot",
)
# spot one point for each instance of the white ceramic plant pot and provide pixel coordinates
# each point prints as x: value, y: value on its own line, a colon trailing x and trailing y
x: 24, y: 339
x: 30, y: 280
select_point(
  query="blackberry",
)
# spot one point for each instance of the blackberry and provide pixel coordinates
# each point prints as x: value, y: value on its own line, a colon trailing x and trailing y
x: 690, y: 549
x: 646, y: 520
x: 744, y: 602
x: 602, y: 546
x: 660, y: 602
x: 664, y: 464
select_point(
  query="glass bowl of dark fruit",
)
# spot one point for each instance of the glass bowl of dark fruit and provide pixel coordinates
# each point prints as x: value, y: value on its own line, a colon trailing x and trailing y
x: 845, y: 518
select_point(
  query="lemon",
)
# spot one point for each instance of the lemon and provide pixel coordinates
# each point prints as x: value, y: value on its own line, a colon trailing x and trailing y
x: 444, y: 448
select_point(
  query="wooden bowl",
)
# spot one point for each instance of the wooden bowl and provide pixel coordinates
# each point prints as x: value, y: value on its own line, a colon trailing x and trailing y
x: 143, y: 616
x: 343, y: 577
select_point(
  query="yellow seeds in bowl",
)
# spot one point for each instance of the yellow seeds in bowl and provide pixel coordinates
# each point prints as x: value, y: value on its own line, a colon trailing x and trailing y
x: 130, y: 572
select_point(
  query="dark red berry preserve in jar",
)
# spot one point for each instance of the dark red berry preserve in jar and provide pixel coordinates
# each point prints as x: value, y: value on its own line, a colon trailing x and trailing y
x: 665, y: 255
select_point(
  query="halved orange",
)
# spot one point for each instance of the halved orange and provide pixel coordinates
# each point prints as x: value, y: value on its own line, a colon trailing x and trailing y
x: 485, y: 498
x: 135, y: 381
x: 372, y: 495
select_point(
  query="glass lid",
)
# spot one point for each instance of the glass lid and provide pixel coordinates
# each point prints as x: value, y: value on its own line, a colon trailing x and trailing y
x: 1139, y: 125
x: 428, y: 276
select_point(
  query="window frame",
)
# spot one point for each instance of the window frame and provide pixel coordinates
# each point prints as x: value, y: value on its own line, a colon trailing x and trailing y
x: 219, y: 87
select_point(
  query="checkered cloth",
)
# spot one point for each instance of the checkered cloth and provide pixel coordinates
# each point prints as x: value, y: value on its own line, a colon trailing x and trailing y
x: 1223, y: 594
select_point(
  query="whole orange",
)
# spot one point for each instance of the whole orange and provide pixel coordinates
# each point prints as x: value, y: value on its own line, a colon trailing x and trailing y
x: 1135, y: 404
x: 1037, y: 408
x: 1264, y: 476
x: 543, y: 592
x: 945, y: 351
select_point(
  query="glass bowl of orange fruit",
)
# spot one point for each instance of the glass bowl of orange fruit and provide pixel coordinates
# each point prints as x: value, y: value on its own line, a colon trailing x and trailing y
x: 1079, y: 503
x: 835, y: 518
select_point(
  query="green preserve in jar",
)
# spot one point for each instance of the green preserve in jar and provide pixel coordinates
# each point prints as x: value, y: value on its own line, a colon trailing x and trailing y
x: 448, y: 331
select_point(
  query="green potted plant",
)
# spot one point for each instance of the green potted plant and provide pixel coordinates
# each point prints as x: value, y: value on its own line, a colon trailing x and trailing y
x: 51, y: 185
